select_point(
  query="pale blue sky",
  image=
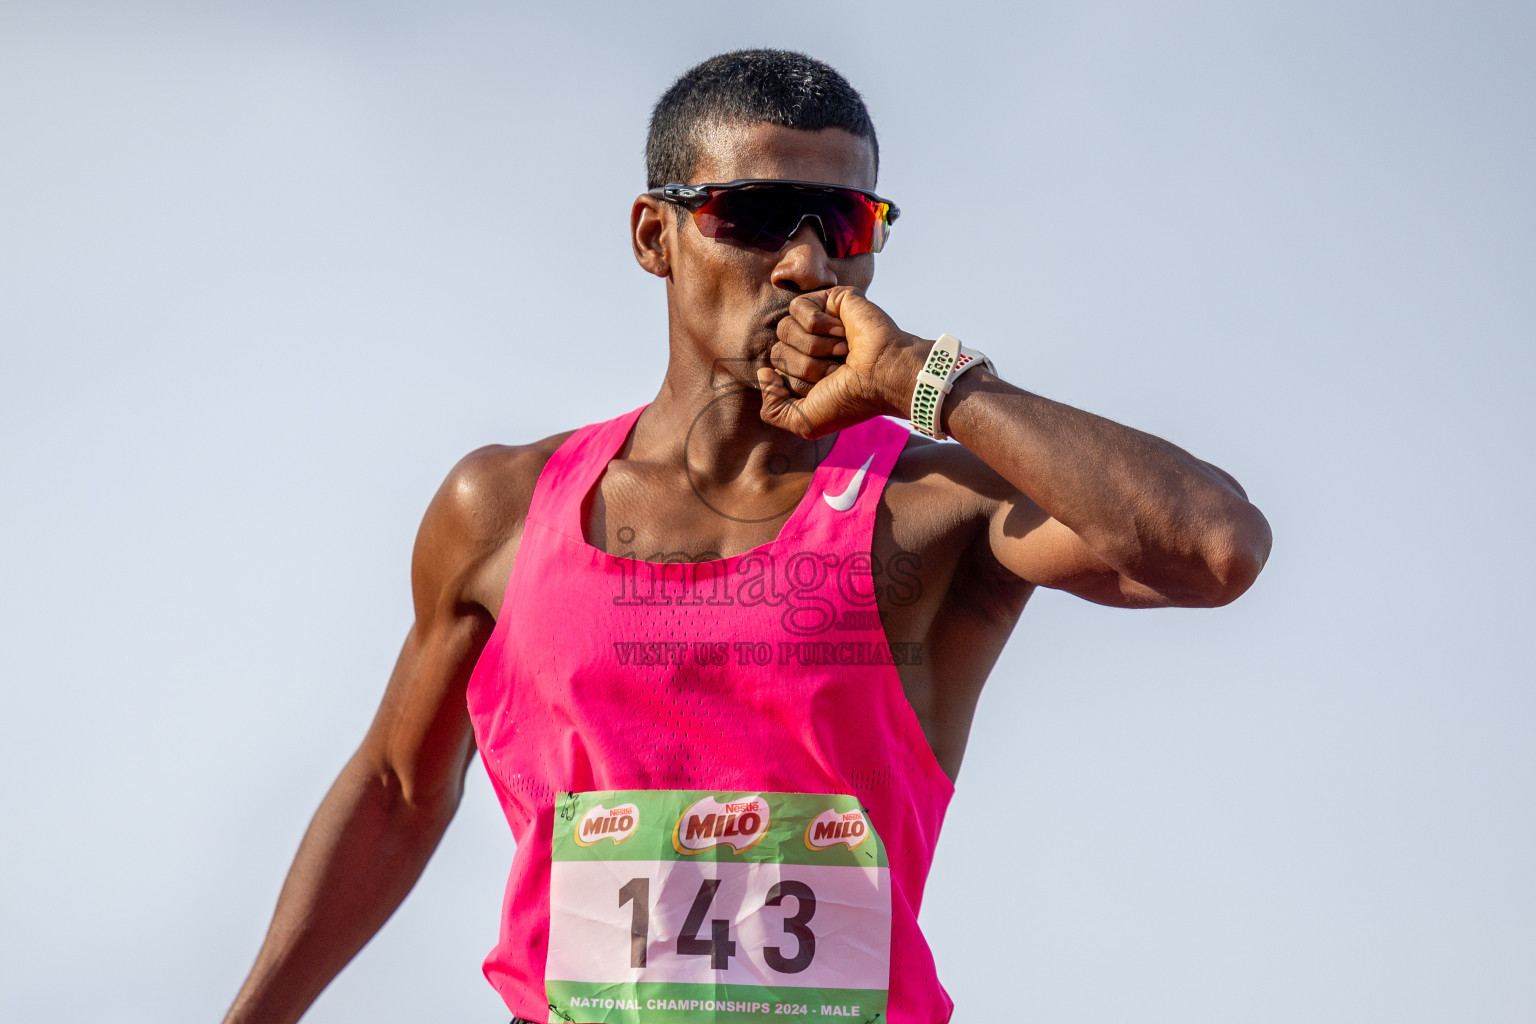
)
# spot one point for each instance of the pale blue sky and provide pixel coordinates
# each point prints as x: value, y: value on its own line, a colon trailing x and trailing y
x: 267, y: 271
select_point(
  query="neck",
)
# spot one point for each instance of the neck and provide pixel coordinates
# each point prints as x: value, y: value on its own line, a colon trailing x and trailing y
x: 707, y: 419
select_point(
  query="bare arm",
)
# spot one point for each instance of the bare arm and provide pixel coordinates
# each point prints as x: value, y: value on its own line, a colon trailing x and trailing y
x: 1072, y: 500
x: 1105, y: 511
x: 385, y: 814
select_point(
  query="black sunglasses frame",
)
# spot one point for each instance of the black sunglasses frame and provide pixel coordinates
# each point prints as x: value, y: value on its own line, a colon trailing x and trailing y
x: 694, y: 196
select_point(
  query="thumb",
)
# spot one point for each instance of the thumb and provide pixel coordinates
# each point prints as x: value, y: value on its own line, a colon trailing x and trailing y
x: 781, y: 408
x: 849, y: 305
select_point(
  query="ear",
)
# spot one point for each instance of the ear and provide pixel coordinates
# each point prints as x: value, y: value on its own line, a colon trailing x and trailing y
x: 648, y: 233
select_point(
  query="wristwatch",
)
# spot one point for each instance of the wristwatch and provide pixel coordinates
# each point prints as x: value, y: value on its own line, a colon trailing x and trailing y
x: 947, y: 360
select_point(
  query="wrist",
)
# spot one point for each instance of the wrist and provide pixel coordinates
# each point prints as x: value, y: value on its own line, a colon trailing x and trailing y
x: 954, y: 402
x: 946, y: 361
x: 899, y: 370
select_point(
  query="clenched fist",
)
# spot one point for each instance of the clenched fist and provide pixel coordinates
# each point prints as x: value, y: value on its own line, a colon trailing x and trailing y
x: 839, y: 360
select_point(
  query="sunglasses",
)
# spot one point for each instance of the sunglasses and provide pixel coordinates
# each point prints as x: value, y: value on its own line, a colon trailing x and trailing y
x: 765, y: 213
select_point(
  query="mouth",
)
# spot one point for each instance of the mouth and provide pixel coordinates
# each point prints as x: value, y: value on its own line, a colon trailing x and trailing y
x: 770, y: 329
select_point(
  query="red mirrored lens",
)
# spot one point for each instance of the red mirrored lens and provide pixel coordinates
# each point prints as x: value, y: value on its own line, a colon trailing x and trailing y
x: 767, y: 216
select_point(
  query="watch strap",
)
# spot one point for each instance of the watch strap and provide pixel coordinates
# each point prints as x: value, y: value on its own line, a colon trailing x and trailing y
x: 946, y: 361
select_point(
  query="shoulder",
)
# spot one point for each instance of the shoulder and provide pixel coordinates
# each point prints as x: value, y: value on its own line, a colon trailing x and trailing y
x: 951, y: 475
x: 475, y: 520
x: 489, y: 489
x: 942, y: 501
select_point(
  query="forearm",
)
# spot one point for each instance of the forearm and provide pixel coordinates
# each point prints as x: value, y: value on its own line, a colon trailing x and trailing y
x: 1148, y: 508
x: 361, y: 855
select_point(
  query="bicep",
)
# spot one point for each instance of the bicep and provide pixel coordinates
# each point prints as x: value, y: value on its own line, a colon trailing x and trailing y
x: 1044, y: 551
x: 421, y: 739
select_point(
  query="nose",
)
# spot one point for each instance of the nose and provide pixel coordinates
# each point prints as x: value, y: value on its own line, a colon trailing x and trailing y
x: 804, y: 265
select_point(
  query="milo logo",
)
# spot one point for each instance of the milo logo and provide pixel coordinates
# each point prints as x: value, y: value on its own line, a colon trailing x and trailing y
x: 739, y: 824
x: 832, y: 826
x: 617, y: 824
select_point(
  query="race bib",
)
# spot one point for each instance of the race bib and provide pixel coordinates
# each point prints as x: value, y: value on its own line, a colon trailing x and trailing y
x: 692, y: 907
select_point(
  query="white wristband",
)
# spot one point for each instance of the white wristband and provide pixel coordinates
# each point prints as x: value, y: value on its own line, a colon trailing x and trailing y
x: 947, y: 360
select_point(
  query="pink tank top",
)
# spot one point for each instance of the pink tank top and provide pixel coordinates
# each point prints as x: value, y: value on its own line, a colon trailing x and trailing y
x: 612, y: 685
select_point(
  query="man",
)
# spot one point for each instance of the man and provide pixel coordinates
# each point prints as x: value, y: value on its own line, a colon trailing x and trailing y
x: 721, y: 655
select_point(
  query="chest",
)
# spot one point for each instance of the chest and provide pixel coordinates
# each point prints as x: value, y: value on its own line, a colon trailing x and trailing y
x: 664, y: 516
x: 906, y: 563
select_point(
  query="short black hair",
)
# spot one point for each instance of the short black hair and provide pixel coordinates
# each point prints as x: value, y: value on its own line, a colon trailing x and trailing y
x: 753, y: 86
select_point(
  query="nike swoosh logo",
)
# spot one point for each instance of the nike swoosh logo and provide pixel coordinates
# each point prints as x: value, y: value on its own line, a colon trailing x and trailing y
x: 843, y: 502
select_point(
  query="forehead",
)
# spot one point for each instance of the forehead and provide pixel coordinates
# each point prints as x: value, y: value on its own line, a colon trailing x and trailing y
x: 737, y: 150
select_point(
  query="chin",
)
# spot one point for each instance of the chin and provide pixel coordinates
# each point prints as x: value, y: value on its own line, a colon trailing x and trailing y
x: 755, y: 348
